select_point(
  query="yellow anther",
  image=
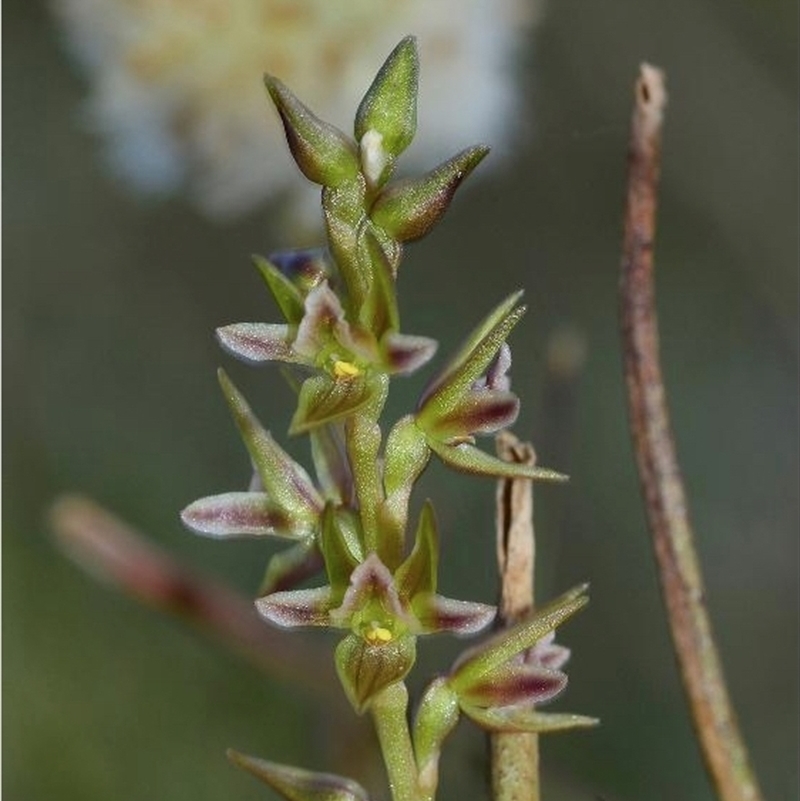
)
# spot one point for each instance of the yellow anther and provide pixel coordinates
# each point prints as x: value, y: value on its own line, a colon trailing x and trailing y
x: 377, y: 635
x: 343, y: 369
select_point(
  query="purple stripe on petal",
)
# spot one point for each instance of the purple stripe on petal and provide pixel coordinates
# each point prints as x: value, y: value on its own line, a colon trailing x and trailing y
x: 436, y: 613
x: 258, y: 342
x: 515, y: 683
x: 241, y: 514
x: 405, y: 353
x: 296, y: 607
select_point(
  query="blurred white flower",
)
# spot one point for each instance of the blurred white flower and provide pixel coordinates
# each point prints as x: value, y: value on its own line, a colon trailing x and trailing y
x: 175, y: 86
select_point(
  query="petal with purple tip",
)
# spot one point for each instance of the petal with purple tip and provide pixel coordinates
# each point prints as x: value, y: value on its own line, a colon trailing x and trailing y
x: 436, y: 613
x: 405, y: 353
x: 323, y: 313
x: 514, y: 684
x: 242, y: 514
x: 370, y: 582
x: 296, y: 607
x: 258, y: 342
x: 482, y: 412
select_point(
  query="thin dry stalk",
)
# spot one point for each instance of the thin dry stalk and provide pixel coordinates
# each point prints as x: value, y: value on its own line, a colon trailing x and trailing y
x: 515, y: 757
x: 715, y: 724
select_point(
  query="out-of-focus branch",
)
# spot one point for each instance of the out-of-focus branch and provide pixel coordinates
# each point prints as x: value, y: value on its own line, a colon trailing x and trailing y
x: 722, y: 746
x: 115, y: 553
x: 515, y: 757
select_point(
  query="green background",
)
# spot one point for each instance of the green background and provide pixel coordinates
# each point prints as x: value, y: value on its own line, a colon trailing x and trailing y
x: 109, y: 388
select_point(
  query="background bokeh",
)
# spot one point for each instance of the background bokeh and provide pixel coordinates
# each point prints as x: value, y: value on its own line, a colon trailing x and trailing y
x: 109, y: 383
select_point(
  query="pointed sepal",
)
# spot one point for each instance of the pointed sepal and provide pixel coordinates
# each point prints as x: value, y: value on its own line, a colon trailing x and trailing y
x: 408, y: 209
x: 418, y: 574
x: 324, y: 154
x: 287, y: 295
x: 296, y: 784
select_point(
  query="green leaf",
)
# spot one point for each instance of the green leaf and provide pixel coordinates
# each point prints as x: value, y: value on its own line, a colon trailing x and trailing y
x: 324, y: 154
x: 296, y: 784
x: 324, y: 399
x: 408, y: 209
x: 389, y: 107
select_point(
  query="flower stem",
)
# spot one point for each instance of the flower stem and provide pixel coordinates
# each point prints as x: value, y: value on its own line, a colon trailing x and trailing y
x: 391, y: 724
x: 715, y: 724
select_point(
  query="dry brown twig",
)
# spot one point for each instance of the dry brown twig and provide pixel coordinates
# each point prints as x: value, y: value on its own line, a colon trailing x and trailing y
x: 714, y: 720
x: 515, y: 757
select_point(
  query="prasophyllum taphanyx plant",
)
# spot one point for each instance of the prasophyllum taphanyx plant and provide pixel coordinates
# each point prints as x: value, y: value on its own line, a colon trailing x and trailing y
x: 342, y: 344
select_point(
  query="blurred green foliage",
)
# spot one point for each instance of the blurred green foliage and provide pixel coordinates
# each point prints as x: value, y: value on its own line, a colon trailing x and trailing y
x: 110, y: 388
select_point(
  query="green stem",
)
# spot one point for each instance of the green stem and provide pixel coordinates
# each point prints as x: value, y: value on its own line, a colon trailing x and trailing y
x: 363, y: 437
x: 391, y: 724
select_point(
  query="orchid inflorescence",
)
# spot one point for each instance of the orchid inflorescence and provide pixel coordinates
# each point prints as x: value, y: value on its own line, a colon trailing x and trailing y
x: 342, y: 343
